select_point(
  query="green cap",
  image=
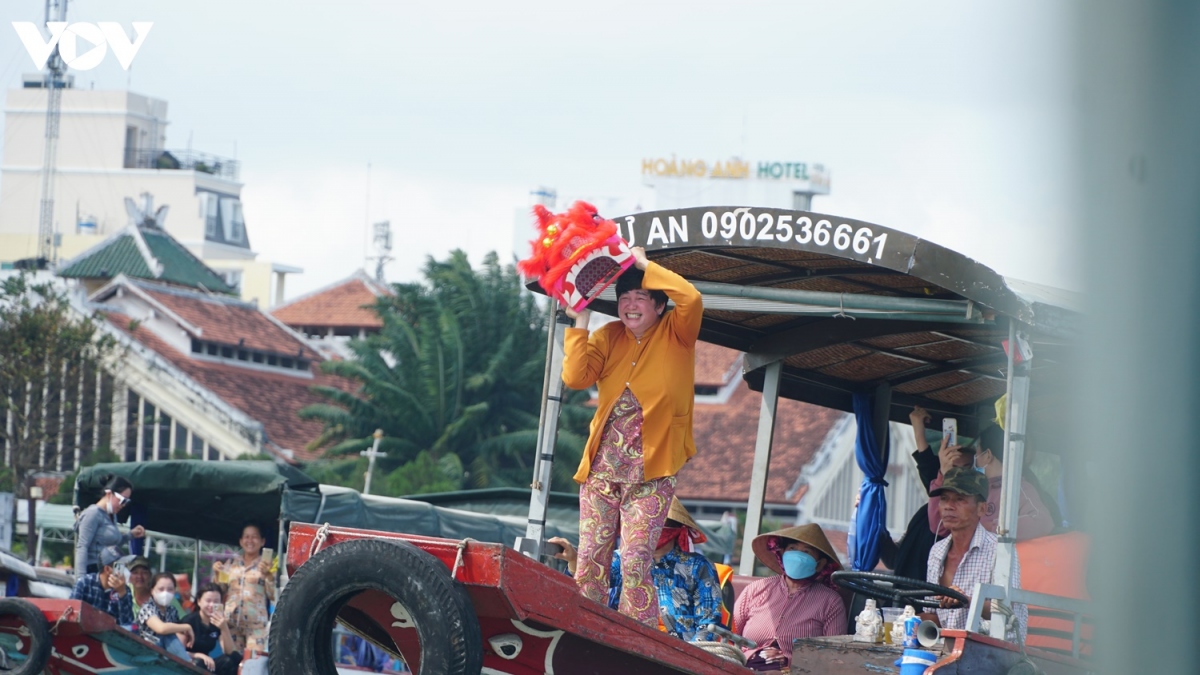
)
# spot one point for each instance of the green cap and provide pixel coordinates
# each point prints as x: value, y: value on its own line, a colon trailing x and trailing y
x: 964, y: 480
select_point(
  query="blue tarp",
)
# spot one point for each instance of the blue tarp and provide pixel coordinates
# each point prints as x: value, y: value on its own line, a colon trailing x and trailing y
x: 871, y: 518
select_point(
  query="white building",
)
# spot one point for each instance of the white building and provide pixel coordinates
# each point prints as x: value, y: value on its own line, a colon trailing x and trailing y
x: 112, y: 146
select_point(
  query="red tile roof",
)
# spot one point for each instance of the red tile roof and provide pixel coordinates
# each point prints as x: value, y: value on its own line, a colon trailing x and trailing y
x: 715, y: 365
x: 725, y: 435
x: 345, y: 304
x: 50, y: 485
x: 271, y: 399
x: 230, y: 322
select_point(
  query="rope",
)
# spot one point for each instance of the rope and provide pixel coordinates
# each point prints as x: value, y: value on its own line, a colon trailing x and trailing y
x: 319, y: 540
x: 67, y: 613
x: 723, y: 650
x: 842, y: 308
x: 458, y: 557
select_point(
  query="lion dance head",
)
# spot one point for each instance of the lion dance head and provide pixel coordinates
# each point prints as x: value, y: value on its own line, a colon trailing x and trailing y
x: 577, y: 255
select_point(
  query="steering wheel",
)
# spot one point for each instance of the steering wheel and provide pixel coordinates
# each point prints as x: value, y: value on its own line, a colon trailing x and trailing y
x: 900, y: 591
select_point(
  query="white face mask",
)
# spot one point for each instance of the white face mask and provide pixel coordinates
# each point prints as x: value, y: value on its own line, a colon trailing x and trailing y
x: 163, y: 598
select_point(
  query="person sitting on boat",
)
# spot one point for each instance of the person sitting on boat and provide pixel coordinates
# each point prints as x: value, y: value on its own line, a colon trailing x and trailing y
x: 140, y: 578
x: 799, y: 601
x: 644, y: 368
x: 688, y: 589
x: 106, y: 590
x: 987, y: 457
x: 159, y: 622
x: 212, y: 631
x: 967, y: 556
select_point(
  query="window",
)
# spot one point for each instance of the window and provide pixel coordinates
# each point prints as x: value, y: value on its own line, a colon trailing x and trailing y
x: 197, y: 446
x: 164, y: 436
x: 197, y: 347
x: 210, y: 214
x: 231, y: 218
x: 181, y: 439
x: 132, y: 427
x: 131, y: 139
x: 232, y: 277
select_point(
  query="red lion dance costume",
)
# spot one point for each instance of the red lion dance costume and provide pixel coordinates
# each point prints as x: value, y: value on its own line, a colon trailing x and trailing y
x: 577, y: 255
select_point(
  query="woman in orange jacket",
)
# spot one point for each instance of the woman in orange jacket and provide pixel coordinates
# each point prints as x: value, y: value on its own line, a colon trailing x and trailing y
x: 644, y: 368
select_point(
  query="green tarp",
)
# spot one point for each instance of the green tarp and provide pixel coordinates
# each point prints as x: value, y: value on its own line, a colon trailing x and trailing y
x: 563, y: 511
x: 347, y: 508
x: 213, y: 500
x: 200, y: 500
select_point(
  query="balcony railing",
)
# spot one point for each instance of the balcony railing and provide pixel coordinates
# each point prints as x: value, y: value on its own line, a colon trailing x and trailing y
x: 182, y: 160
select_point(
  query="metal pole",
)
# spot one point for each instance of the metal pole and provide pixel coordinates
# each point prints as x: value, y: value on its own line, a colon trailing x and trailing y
x: 762, y: 461
x: 552, y: 396
x: 196, y: 567
x: 1014, y: 459
x: 371, y: 455
x: 848, y: 301
x: 37, y: 556
x: 281, y: 577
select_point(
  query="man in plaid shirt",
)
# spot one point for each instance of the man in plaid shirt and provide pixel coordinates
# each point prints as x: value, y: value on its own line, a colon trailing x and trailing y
x: 967, y: 556
x: 106, y: 590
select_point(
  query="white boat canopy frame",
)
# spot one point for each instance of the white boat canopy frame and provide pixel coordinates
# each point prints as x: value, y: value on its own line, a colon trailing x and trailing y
x: 825, y: 307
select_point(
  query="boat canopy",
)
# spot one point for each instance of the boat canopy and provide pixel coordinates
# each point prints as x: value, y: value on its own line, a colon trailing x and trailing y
x: 850, y: 306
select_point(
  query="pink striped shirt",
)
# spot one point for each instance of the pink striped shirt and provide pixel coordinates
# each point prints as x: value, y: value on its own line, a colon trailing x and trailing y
x: 765, y: 612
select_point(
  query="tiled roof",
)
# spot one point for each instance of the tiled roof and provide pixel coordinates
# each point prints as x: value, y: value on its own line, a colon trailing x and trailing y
x: 228, y: 321
x: 162, y: 258
x: 346, y: 304
x: 271, y: 399
x: 715, y: 365
x: 725, y: 435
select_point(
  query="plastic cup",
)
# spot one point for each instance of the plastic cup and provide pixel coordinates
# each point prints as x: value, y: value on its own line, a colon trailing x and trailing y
x: 890, y: 616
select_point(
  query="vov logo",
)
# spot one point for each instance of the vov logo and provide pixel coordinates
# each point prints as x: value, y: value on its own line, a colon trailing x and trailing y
x: 66, y: 37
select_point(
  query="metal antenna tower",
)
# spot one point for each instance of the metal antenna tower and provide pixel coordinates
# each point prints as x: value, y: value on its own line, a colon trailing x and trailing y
x: 47, y: 251
x: 383, y: 246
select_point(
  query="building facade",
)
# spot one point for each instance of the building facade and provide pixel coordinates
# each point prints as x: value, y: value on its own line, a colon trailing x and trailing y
x: 112, y: 148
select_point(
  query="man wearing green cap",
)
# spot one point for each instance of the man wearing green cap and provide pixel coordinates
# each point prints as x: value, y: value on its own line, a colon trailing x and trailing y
x: 967, y: 556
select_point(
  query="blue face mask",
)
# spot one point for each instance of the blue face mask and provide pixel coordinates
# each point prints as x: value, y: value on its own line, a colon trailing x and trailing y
x: 975, y: 466
x: 799, y: 565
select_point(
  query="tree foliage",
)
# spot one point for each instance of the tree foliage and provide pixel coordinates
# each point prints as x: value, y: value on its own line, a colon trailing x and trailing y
x: 45, y: 348
x: 454, y: 380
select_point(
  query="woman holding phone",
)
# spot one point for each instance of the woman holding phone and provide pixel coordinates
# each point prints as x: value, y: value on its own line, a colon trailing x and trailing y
x: 251, y: 586
x: 212, y: 631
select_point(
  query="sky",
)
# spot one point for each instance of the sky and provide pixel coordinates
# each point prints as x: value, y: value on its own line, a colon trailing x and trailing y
x: 949, y: 120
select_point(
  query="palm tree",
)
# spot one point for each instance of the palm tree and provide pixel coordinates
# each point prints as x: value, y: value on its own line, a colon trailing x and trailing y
x: 454, y: 378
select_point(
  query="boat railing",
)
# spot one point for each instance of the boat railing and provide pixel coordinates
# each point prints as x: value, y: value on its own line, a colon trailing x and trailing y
x: 1079, y: 610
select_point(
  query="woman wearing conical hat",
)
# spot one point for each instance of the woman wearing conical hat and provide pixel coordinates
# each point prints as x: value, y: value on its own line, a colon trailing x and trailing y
x: 800, y: 600
x: 686, y: 583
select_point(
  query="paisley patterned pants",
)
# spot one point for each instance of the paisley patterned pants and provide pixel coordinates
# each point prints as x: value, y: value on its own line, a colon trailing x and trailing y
x: 635, y: 511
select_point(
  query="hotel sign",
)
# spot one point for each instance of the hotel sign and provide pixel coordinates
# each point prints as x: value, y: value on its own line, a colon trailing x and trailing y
x: 816, y: 175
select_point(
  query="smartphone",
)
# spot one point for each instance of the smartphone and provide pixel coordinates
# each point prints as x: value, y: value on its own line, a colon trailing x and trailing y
x: 950, y: 430
x: 551, y: 549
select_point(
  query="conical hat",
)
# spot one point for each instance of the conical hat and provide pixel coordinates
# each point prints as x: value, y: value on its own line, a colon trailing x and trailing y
x: 680, y: 515
x: 810, y: 534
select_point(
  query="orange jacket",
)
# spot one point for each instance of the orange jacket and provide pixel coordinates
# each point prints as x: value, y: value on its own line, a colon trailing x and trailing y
x: 659, y: 369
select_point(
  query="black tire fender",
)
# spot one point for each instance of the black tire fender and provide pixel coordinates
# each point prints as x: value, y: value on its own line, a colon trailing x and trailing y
x: 40, y: 643
x: 300, y: 641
